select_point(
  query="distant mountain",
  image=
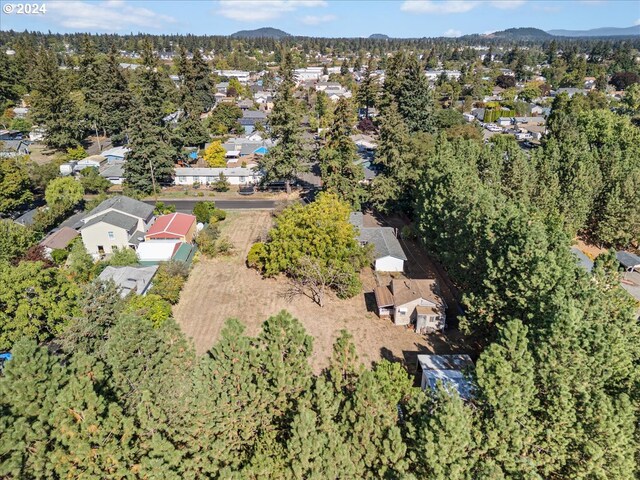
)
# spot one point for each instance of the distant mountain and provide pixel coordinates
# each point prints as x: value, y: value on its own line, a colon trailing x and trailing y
x: 264, y: 32
x: 525, y: 33
x: 379, y: 36
x: 598, y: 32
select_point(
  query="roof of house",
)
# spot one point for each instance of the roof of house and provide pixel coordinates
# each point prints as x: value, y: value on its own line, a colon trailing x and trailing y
x: 129, y: 279
x: 447, y: 369
x: 116, y: 219
x: 124, y: 204
x: 115, y: 152
x: 174, y: 225
x: 408, y: 290
x: 157, y: 251
x: 628, y: 259
x: 584, y: 261
x: 27, y: 218
x: 356, y: 219
x: 384, y: 297
x: 60, y: 238
x: 115, y: 170
x: 215, y: 172
x: 384, y: 241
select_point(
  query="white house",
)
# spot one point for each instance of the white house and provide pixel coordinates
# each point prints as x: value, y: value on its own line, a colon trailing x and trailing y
x: 389, y: 256
x: 235, y: 176
x: 241, y: 75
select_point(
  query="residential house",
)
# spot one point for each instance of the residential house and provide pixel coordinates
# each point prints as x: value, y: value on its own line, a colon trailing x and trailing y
x: 584, y: 261
x: 14, y: 148
x: 418, y: 302
x: 250, y: 118
x: 389, y: 256
x: 58, y: 240
x: 451, y: 370
x: 28, y: 218
x: 235, y: 176
x: 172, y: 228
x: 114, y: 173
x: 130, y: 279
x: 115, y: 154
x: 118, y: 222
x: 569, y: 91
x: 242, y: 75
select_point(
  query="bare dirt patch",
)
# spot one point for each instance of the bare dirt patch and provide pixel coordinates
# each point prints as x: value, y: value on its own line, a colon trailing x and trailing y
x: 224, y: 287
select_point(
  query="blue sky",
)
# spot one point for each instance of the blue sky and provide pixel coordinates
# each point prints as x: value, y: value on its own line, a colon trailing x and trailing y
x: 331, y: 18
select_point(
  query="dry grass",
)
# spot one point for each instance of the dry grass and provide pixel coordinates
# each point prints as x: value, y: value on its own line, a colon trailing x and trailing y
x: 224, y: 287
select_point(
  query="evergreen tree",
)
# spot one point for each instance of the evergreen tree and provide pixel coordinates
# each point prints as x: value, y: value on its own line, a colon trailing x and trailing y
x: 506, y: 377
x: 414, y: 99
x: 440, y: 435
x: 285, y: 160
x: 150, y: 161
x: 52, y: 104
x: 115, y: 99
x: 368, y: 90
x: 339, y: 169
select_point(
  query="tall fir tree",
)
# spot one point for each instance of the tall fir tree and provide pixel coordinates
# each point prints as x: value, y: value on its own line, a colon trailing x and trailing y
x: 151, y: 160
x: 286, y: 159
x: 52, y: 104
x: 340, y: 171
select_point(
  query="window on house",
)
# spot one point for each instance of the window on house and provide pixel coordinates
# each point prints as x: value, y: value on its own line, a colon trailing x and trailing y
x: 182, y: 179
x: 111, y: 235
x: 402, y: 311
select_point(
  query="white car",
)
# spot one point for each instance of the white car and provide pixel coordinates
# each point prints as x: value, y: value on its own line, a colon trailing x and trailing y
x: 492, y: 127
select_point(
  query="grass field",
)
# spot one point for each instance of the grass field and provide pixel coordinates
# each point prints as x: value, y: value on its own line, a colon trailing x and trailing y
x: 224, y: 287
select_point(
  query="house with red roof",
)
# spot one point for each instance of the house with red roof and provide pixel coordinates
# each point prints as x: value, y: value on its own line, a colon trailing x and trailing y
x: 174, y: 227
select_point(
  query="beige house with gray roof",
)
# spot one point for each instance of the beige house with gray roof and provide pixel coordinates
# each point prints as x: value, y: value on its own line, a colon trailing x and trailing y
x: 413, y: 302
x: 118, y: 222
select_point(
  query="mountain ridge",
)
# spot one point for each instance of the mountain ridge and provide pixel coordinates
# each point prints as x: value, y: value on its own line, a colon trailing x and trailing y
x: 263, y: 32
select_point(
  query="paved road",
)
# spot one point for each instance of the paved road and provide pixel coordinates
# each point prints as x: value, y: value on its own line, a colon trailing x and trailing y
x: 186, y: 206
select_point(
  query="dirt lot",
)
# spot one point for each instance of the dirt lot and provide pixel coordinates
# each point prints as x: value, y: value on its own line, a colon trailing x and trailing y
x: 224, y: 287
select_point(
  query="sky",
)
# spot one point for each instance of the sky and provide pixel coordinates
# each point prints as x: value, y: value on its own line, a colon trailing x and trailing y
x: 323, y: 18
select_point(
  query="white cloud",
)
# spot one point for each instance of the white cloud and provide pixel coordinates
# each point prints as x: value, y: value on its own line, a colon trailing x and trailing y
x: 452, y: 33
x: 455, y: 6
x: 430, y: 6
x: 263, y: 10
x: 637, y: 22
x: 107, y: 15
x: 507, y: 4
x: 317, y: 19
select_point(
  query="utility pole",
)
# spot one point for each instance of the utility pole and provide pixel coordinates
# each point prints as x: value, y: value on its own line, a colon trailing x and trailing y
x: 153, y: 180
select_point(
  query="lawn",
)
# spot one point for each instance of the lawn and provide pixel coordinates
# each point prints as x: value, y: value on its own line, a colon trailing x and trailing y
x: 224, y: 287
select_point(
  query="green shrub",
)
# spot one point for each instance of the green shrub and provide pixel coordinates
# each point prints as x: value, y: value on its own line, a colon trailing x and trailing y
x: 203, y: 211
x: 255, y: 257
x: 59, y: 256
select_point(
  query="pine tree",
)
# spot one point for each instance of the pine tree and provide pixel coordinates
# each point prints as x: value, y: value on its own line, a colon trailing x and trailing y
x: 285, y: 160
x: 414, y: 99
x: 440, y: 436
x: 28, y: 390
x: 505, y: 374
x: 114, y: 98
x: 338, y: 159
x: 391, y: 155
x: 52, y: 105
x: 150, y: 161
x: 100, y: 306
x: 368, y: 90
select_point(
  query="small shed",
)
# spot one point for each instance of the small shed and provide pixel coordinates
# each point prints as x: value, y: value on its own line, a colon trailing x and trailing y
x: 384, y: 301
x: 451, y: 370
x: 630, y: 261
